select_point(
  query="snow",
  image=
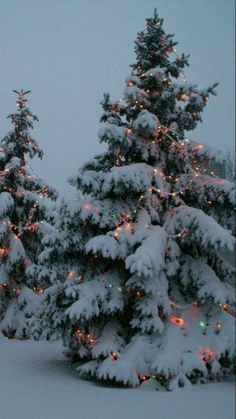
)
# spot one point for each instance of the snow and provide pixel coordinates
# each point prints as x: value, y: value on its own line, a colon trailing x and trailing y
x: 133, y: 93
x: 105, y: 244
x: 157, y: 72
x: 38, y: 382
x: 17, y: 251
x: 92, y: 294
x: 136, y: 177
x: 212, y: 152
x: 207, y: 231
x: 146, y: 120
x: 112, y: 132
x: 6, y: 203
x: 133, y: 363
x: 149, y: 257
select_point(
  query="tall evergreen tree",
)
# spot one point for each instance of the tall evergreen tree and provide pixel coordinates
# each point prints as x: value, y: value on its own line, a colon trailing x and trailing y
x: 22, y: 210
x: 155, y: 297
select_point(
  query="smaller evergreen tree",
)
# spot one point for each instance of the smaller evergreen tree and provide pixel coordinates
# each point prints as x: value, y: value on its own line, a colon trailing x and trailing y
x: 22, y: 211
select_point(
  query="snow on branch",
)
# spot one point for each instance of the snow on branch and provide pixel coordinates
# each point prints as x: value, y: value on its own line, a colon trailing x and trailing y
x: 113, y: 132
x: 104, y: 244
x: 130, y: 364
x: 17, y: 251
x: 146, y: 122
x: 6, y: 203
x: 110, y: 340
x: 92, y: 294
x: 209, y: 286
x: 205, y: 229
x: 133, y: 93
x: 149, y: 258
x: 211, y: 151
x: 135, y: 177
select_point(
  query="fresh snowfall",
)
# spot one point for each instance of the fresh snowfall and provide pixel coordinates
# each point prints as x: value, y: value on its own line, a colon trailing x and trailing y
x: 121, y: 302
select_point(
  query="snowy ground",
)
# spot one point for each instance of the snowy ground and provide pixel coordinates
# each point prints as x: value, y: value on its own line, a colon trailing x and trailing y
x: 37, y: 382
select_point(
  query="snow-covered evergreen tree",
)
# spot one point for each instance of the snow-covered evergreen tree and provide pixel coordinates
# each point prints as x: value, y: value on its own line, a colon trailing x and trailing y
x: 154, y: 298
x: 22, y: 210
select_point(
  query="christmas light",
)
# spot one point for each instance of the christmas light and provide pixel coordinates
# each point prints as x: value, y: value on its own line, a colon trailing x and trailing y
x: 4, y: 251
x: 114, y: 356
x: 185, y: 307
x: 38, y: 290
x: 144, y: 378
x: 208, y: 354
x: 224, y: 306
x: 71, y: 274
x: 87, y: 206
x: 78, y: 334
x: 183, y: 96
x: 88, y: 338
x: 178, y: 321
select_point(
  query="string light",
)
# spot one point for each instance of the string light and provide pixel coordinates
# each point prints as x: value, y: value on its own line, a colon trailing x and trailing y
x: 4, y: 251
x: 183, y: 233
x: 185, y: 307
x: 3, y: 287
x: 178, y: 321
x: 38, y: 290
x: 88, y: 338
x: 229, y: 309
x: 144, y: 378
x: 142, y: 197
x: 72, y: 274
x: 114, y: 356
x: 208, y: 354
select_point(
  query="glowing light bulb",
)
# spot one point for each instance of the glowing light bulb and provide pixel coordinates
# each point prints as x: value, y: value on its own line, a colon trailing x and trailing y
x: 179, y: 321
x: 114, y: 356
x: 87, y: 206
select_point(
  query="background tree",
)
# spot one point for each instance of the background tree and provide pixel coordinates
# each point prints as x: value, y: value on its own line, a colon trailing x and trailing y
x: 154, y: 296
x: 230, y: 165
x: 22, y: 210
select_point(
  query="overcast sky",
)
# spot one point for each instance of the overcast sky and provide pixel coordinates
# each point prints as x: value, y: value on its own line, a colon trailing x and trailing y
x: 68, y: 52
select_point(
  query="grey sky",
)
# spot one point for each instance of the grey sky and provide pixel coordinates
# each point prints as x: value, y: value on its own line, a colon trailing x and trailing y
x: 68, y: 52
